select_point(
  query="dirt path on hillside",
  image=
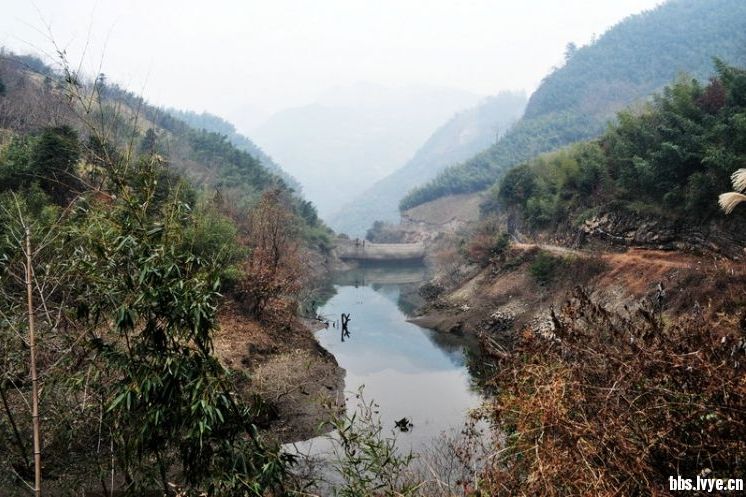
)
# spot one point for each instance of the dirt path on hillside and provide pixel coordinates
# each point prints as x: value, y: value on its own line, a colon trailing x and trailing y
x: 654, y: 257
x: 552, y: 249
x: 660, y: 258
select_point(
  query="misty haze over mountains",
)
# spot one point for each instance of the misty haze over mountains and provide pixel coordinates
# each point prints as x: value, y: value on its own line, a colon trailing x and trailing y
x: 358, y: 150
x: 355, y: 135
x: 534, y: 224
x: 626, y: 65
x: 462, y: 136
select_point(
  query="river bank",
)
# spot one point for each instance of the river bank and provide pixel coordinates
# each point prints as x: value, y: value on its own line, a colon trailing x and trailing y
x: 286, y: 368
x: 407, y: 370
x: 518, y: 290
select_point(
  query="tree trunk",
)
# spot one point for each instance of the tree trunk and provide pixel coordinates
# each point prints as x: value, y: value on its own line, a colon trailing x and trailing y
x: 34, y: 377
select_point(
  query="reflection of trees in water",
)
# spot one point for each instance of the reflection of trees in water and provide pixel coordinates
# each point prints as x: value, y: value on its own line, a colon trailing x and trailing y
x: 318, y: 297
x: 396, y: 281
x: 409, y: 299
x: 460, y: 349
x: 405, y: 296
x: 381, y: 274
x: 480, y: 369
x: 400, y: 283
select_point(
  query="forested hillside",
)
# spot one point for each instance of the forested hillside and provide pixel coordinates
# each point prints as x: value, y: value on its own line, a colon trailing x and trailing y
x: 611, y: 308
x: 625, y: 65
x: 125, y: 235
x: 670, y: 160
x: 207, y: 158
x: 216, y: 124
x: 461, y: 137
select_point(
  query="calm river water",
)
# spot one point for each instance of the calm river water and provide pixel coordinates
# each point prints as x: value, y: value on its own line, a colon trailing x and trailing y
x: 407, y: 370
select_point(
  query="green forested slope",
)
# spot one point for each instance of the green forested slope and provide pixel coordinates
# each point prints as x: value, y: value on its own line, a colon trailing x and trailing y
x: 124, y: 233
x: 216, y: 124
x: 207, y: 158
x: 625, y: 65
x: 670, y: 160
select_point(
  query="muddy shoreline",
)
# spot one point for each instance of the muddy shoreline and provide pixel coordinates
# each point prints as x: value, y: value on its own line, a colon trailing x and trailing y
x: 297, y: 379
x: 312, y: 384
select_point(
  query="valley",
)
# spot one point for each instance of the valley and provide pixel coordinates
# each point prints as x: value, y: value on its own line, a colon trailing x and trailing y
x: 399, y: 288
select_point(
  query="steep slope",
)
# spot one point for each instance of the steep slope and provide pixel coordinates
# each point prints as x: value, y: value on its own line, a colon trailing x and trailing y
x: 465, y: 134
x: 639, y: 293
x: 353, y: 136
x: 636, y: 57
x: 215, y: 124
x: 651, y: 179
x: 151, y: 287
x: 208, y: 159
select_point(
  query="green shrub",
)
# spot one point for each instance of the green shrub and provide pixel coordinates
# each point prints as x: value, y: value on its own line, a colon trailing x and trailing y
x: 545, y: 267
x: 210, y: 234
x: 669, y: 160
x: 576, y: 100
x: 500, y: 245
x: 586, y: 215
x: 366, y: 456
x: 430, y: 290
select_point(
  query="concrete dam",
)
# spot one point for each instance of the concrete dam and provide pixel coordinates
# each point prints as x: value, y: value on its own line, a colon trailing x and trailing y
x: 379, y: 252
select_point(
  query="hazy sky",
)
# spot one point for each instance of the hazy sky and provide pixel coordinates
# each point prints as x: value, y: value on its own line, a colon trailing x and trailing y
x: 230, y: 57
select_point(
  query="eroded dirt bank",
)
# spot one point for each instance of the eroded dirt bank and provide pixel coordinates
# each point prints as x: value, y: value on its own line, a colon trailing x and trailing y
x: 287, y: 368
x: 519, y: 289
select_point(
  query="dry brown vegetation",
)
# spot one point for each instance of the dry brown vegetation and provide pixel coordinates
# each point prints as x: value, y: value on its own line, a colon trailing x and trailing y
x: 272, y: 275
x: 613, y: 403
x: 283, y: 366
x: 126, y: 286
x: 601, y: 387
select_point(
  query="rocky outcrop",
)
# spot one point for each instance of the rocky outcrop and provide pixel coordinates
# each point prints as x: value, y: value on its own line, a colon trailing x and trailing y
x: 632, y: 230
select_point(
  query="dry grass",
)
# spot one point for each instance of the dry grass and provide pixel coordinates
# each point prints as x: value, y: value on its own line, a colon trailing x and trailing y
x: 301, y: 386
x: 285, y: 367
x: 615, y: 403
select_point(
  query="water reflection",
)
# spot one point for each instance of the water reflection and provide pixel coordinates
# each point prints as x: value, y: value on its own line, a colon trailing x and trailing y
x: 381, y: 274
x: 410, y: 371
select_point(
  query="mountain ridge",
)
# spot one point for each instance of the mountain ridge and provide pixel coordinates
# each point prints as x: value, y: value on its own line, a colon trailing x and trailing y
x: 465, y: 133
x: 216, y: 124
x: 338, y: 145
x: 629, y: 62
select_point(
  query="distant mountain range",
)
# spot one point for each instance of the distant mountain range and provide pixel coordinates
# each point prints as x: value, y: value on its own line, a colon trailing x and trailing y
x: 462, y: 136
x: 626, y: 65
x: 353, y: 136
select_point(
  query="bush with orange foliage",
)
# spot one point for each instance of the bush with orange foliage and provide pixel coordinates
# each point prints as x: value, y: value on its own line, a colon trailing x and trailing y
x: 614, y: 403
x: 488, y: 243
x: 272, y: 274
